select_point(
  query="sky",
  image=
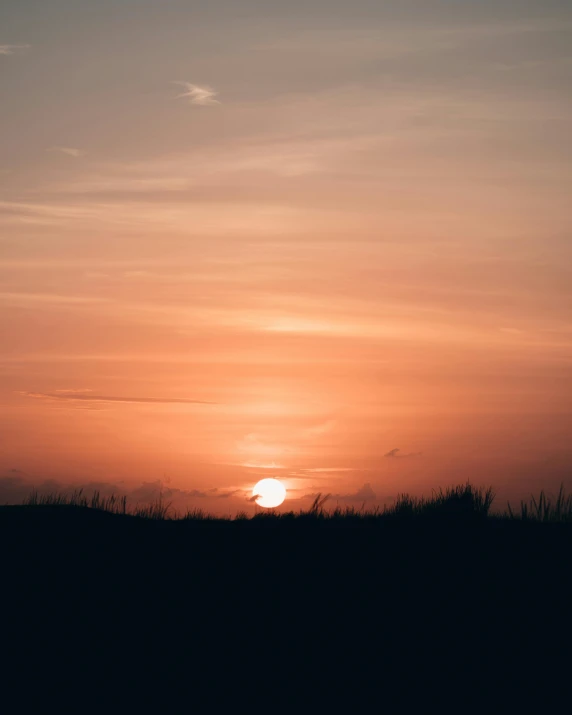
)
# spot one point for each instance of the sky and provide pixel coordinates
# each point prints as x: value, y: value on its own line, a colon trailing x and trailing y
x: 323, y: 241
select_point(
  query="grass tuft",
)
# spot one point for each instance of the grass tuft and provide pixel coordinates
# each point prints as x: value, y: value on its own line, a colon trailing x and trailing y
x: 463, y: 503
x: 544, y: 508
x: 157, y: 510
x: 113, y: 504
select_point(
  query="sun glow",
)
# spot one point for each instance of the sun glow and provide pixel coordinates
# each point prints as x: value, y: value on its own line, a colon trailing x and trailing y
x: 269, y: 493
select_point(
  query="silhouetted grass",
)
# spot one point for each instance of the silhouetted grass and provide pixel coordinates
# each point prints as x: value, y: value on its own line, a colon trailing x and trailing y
x: 113, y: 504
x: 427, y: 587
x: 545, y: 509
x: 465, y: 503
x: 157, y: 510
x: 461, y: 502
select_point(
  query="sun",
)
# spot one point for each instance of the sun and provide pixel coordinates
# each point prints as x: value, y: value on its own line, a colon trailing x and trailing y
x: 269, y: 493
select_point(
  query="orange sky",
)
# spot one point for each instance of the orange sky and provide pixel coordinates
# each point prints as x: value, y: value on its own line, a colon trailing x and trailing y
x: 239, y: 241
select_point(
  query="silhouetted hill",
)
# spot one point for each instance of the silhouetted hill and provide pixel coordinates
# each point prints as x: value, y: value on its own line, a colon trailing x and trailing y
x: 313, y: 609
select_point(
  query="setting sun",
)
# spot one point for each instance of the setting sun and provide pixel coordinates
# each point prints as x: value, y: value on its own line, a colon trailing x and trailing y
x: 335, y: 251
x: 286, y: 351
x: 269, y: 493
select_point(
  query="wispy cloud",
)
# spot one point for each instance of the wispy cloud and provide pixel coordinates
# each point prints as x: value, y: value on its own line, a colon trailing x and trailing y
x: 49, y: 298
x: 261, y: 465
x: 88, y: 397
x: 394, y: 454
x: 201, y: 493
x: 16, y: 485
x: 68, y: 150
x: 363, y: 494
x: 227, y: 495
x: 320, y: 429
x: 328, y: 470
x: 203, y: 96
x: 13, y: 49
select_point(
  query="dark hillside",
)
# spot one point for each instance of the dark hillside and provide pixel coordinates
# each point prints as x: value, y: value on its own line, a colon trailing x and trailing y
x: 321, y: 607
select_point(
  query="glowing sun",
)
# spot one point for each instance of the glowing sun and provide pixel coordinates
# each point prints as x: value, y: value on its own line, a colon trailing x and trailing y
x: 269, y: 493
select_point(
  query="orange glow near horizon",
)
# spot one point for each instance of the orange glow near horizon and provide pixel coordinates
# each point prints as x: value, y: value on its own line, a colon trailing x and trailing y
x: 341, y: 260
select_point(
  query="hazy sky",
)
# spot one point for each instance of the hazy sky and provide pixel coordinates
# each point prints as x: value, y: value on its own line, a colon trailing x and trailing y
x: 249, y: 238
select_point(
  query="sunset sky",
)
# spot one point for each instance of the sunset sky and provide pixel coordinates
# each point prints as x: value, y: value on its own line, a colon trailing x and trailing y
x: 320, y: 240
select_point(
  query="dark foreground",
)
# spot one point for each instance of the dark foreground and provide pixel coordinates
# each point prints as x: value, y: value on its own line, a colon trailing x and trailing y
x: 308, y: 615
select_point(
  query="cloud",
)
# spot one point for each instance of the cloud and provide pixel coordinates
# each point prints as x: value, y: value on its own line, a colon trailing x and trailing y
x: 150, y: 491
x: 226, y: 495
x: 259, y: 452
x: 13, y: 49
x: 322, y: 473
x: 24, y: 298
x: 68, y: 150
x: 200, y: 493
x: 169, y: 493
x: 320, y: 429
x: 261, y: 465
x: 203, y: 96
x: 362, y: 495
x: 328, y: 470
x: 304, y: 476
x: 393, y: 454
x: 14, y: 489
x: 88, y: 397
x: 16, y: 486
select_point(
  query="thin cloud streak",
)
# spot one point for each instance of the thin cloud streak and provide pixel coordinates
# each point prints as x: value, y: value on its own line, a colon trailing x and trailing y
x: 74, y: 396
x: 363, y: 494
x: 49, y: 298
x: 16, y: 485
x: 68, y: 151
x: 329, y: 470
x: 13, y: 49
x: 202, y: 96
x: 394, y: 454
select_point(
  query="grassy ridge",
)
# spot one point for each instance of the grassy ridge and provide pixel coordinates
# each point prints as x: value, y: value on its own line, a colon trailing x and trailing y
x: 429, y: 598
x: 462, y: 502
